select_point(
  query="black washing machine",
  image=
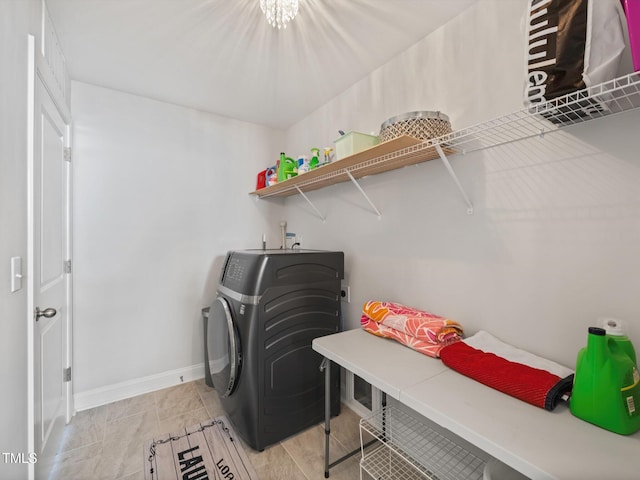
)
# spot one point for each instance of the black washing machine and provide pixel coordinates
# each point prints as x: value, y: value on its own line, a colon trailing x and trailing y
x: 270, y: 305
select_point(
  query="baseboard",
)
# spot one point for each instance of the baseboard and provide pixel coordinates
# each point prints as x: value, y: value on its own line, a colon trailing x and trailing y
x: 357, y: 407
x: 131, y: 388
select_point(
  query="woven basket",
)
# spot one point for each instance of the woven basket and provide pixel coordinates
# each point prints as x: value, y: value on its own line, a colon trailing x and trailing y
x: 420, y: 125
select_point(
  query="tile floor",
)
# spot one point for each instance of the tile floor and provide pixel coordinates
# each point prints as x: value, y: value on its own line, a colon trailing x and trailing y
x: 106, y: 443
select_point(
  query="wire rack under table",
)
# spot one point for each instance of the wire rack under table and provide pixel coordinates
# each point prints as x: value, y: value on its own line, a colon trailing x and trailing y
x: 411, y: 450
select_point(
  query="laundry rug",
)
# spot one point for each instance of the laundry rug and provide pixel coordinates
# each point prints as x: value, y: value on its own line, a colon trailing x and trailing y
x: 207, y: 451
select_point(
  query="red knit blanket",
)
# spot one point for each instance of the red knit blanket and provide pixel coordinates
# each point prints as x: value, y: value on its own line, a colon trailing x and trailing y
x: 532, y: 379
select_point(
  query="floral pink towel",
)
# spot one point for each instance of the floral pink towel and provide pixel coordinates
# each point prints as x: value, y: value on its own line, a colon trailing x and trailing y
x: 422, y: 331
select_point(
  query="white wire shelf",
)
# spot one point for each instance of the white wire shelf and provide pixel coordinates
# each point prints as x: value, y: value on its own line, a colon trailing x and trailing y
x: 612, y: 97
x: 609, y: 98
x: 412, y: 450
x: 385, y: 462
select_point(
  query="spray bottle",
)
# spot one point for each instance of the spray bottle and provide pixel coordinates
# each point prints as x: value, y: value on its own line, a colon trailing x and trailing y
x: 328, y: 155
x: 315, y: 160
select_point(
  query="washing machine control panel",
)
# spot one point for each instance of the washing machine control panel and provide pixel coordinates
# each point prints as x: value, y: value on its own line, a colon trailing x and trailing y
x: 236, y: 269
x: 237, y: 272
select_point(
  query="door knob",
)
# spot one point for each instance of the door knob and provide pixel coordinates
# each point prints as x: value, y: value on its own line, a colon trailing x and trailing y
x: 47, y: 313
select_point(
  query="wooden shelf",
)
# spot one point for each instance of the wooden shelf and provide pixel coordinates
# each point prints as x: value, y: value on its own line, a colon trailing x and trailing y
x: 396, y: 153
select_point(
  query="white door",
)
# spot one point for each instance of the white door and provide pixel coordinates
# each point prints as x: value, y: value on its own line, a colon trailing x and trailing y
x: 50, y: 213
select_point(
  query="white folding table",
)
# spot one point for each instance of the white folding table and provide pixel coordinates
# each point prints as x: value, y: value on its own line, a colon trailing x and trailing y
x: 540, y: 444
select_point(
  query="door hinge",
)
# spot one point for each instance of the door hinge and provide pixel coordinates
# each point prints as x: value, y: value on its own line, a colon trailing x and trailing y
x: 67, y: 266
x: 67, y: 154
x: 66, y: 374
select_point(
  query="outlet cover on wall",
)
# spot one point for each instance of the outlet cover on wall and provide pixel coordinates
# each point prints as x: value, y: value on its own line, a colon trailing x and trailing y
x: 345, y: 292
x: 16, y: 274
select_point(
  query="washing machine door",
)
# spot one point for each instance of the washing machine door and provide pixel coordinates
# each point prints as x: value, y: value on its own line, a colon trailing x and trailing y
x: 223, y: 346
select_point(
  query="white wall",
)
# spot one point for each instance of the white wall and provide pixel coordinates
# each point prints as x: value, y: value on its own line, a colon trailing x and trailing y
x: 16, y: 21
x: 553, y: 243
x: 161, y: 193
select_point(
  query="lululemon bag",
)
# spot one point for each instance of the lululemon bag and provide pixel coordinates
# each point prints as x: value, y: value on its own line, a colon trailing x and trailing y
x: 571, y: 45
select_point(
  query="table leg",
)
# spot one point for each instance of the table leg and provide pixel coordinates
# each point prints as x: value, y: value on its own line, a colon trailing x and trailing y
x: 327, y: 413
x: 326, y: 366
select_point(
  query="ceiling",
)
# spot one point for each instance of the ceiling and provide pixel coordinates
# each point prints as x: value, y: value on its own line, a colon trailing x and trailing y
x: 222, y: 56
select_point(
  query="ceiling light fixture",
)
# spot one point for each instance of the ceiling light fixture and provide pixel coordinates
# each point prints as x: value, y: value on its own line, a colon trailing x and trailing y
x: 279, y: 12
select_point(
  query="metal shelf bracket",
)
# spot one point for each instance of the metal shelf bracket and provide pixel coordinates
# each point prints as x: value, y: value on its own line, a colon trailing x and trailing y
x: 355, y: 182
x: 310, y: 203
x: 445, y: 160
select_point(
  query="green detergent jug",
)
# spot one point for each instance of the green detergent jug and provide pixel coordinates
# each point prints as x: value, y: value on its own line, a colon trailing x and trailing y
x: 606, y: 386
x: 287, y: 168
